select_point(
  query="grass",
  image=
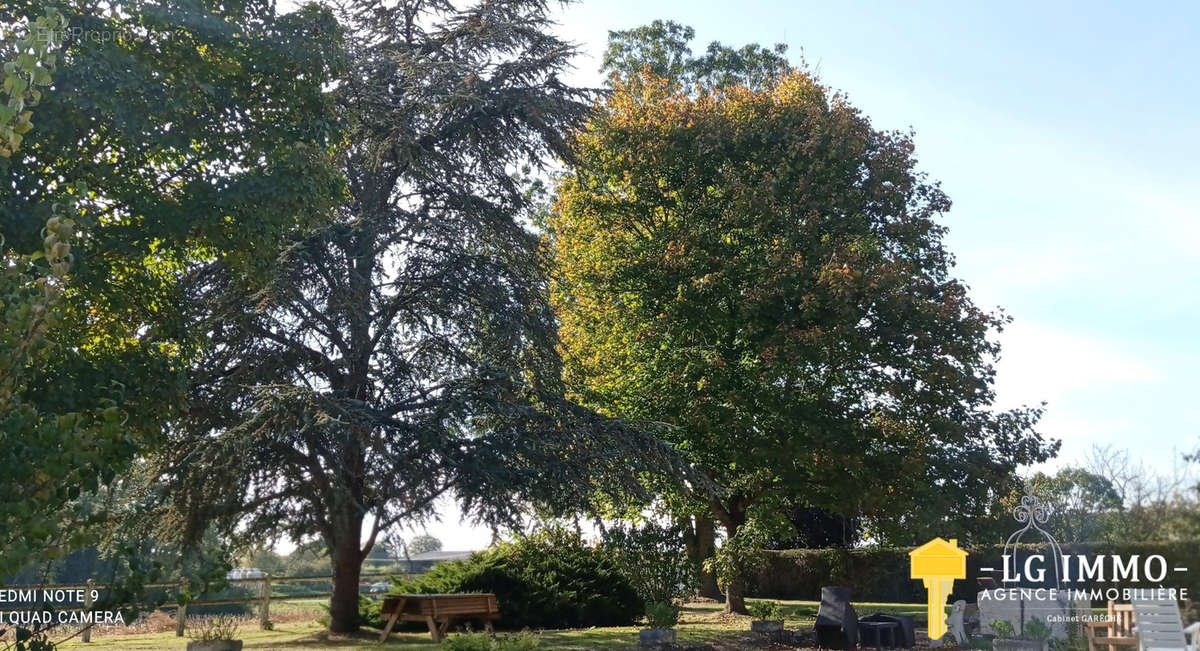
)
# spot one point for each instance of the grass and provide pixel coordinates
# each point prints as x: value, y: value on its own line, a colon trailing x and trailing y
x: 700, y: 622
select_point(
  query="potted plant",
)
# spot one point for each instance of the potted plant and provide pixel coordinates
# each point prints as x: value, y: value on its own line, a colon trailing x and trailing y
x: 661, y: 619
x: 768, y: 616
x: 215, y: 634
x: 1035, y: 637
x: 1039, y: 632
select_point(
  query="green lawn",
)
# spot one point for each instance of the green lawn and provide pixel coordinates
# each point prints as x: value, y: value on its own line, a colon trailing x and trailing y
x: 700, y: 622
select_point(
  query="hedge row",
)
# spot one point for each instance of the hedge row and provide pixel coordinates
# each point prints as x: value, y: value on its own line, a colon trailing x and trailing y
x: 882, y: 573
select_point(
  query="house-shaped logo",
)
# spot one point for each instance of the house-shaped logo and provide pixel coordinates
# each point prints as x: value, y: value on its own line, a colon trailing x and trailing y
x: 938, y: 557
x: 938, y: 563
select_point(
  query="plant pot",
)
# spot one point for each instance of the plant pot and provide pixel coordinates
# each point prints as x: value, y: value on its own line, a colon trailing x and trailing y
x: 214, y: 645
x: 656, y: 636
x: 1020, y: 645
x: 766, y: 625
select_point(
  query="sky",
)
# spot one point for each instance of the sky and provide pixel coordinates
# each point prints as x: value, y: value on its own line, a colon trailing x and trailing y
x: 1067, y: 137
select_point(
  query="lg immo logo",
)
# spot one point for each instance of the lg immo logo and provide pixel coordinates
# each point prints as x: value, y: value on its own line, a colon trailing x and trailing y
x: 1080, y: 568
x: 1038, y: 579
x: 1077, y: 577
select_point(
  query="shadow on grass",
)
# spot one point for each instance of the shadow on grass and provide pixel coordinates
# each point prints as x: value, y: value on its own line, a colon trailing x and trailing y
x: 699, y: 623
x: 365, y: 639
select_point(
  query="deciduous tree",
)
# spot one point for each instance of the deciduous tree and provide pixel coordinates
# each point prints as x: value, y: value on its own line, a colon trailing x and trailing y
x: 764, y: 270
x: 138, y: 140
x: 424, y: 543
x: 663, y: 49
x: 1081, y: 503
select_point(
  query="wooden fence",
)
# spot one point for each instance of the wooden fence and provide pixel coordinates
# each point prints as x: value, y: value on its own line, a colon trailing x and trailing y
x: 265, y: 595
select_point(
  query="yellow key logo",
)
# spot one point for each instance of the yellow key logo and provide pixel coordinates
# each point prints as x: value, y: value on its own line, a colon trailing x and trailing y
x: 938, y: 563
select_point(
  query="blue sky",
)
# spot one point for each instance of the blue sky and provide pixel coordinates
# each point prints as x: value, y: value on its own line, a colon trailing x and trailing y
x: 1067, y: 138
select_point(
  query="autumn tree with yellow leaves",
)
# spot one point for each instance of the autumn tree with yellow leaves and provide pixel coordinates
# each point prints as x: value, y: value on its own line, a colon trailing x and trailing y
x: 764, y: 271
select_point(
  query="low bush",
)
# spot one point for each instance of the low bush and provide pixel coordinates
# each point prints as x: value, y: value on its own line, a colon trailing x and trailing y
x: 1003, y: 629
x: 549, y: 580
x: 1036, y: 629
x: 765, y: 610
x: 213, y: 627
x: 1075, y: 642
x: 662, y: 615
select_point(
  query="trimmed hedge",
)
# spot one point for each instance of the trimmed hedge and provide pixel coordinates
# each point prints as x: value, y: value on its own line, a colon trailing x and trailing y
x: 882, y: 573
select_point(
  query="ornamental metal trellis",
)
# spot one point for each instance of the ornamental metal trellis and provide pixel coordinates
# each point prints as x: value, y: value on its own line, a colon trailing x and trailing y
x: 1033, y: 513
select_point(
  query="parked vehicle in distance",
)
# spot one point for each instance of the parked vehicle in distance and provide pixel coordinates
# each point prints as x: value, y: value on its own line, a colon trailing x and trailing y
x: 245, y: 573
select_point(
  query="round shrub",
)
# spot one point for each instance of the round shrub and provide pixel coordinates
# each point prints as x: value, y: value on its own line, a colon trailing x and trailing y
x: 662, y: 615
x: 654, y: 559
x: 549, y: 580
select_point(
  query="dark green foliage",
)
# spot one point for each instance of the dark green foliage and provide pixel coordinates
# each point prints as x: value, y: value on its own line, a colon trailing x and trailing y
x: 817, y: 529
x: 32, y: 640
x: 549, y: 580
x: 368, y: 612
x: 175, y: 133
x: 765, y: 610
x: 663, y: 47
x: 406, y: 351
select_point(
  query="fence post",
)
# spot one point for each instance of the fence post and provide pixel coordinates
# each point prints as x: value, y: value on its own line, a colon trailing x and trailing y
x: 181, y: 608
x: 86, y: 636
x: 264, y: 608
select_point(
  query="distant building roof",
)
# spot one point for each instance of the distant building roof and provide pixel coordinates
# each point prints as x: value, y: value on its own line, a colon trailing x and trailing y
x: 440, y: 556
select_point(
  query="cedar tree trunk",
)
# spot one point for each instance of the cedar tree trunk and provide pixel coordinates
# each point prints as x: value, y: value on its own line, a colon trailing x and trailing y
x: 347, y: 569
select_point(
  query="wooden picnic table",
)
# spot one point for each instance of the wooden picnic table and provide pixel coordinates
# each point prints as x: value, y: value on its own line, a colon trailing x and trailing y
x: 438, y: 611
x: 1117, y: 630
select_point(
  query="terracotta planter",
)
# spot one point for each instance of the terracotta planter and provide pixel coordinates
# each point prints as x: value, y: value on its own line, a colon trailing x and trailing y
x: 766, y: 625
x: 1020, y: 645
x: 215, y: 645
x: 656, y: 636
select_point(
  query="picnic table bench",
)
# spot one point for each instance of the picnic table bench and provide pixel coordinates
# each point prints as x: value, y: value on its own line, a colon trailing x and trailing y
x: 1117, y: 630
x: 438, y: 611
